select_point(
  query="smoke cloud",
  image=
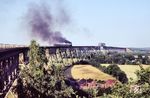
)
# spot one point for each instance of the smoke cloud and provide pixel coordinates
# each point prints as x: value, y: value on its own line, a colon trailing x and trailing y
x: 41, y: 23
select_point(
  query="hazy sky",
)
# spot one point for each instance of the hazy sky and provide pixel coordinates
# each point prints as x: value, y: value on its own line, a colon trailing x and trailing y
x: 114, y: 22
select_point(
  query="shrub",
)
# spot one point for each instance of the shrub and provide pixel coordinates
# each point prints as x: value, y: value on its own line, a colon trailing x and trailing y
x: 82, y: 62
x: 115, y: 71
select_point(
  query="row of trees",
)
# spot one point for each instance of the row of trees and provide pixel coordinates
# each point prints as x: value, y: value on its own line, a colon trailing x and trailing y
x: 120, y: 58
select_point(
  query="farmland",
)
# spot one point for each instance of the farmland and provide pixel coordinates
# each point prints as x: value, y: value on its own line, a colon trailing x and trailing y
x: 87, y: 72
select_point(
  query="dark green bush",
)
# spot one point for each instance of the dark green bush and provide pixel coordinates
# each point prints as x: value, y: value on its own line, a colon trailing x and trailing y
x: 115, y: 71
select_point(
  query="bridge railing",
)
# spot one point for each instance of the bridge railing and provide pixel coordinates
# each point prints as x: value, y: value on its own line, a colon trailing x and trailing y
x: 4, y: 46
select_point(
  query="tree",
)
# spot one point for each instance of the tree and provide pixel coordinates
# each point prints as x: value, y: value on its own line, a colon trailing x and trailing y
x: 34, y: 54
x: 146, y: 60
x: 41, y: 82
x: 115, y: 71
x: 143, y: 75
x: 35, y: 70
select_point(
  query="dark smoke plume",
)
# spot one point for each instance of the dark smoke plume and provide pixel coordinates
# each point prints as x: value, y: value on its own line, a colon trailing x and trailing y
x: 41, y: 23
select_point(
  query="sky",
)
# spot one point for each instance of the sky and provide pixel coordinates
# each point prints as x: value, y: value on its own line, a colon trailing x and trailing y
x: 123, y: 23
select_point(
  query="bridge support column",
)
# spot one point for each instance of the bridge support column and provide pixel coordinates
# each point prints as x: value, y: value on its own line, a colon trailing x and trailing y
x: 25, y: 55
x: 1, y: 76
x: 8, y: 72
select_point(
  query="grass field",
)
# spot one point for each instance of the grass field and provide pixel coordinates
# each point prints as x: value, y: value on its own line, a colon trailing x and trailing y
x: 129, y: 69
x: 88, y: 72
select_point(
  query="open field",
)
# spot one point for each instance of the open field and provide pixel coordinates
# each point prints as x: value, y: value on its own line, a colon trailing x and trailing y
x: 88, y: 72
x: 129, y: 69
